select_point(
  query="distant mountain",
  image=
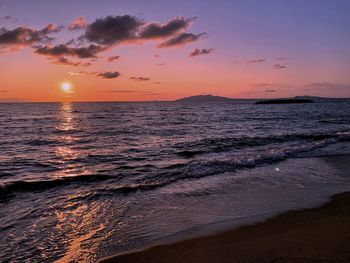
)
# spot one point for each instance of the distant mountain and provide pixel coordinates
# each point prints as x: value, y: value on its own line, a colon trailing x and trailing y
x: 296, y: 99
x: 205, y: 98
x: 284, y: 101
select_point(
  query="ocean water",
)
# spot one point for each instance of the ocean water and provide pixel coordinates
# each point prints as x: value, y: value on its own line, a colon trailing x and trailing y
x: 81, y: 181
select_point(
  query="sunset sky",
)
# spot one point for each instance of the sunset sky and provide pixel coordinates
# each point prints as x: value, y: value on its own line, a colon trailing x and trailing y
x: 111, y: 50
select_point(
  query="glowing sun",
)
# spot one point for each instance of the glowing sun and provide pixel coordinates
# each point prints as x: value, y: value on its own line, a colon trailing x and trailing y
x: 66, y: 87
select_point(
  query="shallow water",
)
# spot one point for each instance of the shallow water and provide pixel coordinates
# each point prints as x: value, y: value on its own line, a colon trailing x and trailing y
x: 80, y: 181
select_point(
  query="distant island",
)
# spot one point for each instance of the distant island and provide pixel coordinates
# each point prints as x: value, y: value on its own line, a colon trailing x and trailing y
x: 205, y: 98
x: 284, y: 101
x: 291, y: 100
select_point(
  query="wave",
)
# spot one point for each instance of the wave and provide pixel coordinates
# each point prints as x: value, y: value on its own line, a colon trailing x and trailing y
x: 214, y: 145
x: 162, y: 176
x: 32, y: 186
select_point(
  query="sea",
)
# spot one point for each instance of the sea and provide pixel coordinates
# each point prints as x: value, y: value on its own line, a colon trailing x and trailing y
x: 84, y: 181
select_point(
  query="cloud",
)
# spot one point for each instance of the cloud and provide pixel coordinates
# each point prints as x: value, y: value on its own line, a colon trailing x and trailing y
x: 66, y: 62
x: 76, y: 73
x: 90, y: 51
x: 25, y: 36
x: 120, y: 91
x: 156, y: 30
x: 113, y: 29
x: 181, y: 39
x: 147, y: 93
x: 160, y: 64
x: 104, y: 75
x: 198, y: 52
x: 15, y: 99
x: 8, y: 19
x: 157, y: 82
x: 109, y: 75
x: 262, y: 84
x: 259, y: 60
x: 112, y: 58
x: 3, y: 91
x: 284, y: 58
x: 140, y: 79
x: 78, y: 24
x: 279, y: 66
x: 270, y: 90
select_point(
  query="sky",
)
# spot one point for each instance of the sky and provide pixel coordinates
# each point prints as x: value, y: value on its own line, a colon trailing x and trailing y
x: 136, y: 50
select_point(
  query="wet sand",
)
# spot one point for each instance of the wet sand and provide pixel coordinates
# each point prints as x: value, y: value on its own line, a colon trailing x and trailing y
x: 312, y: 235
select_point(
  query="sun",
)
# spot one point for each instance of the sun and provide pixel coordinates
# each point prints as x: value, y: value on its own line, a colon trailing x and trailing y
x: 66, y: 87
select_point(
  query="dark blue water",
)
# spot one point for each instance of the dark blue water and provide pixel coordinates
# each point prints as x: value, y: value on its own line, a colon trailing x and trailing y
x: 79, y: 181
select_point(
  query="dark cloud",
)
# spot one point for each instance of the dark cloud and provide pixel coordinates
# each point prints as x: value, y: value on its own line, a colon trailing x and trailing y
x: 181, y: 39
x: 78, y: 24
x: 270, y: 90
x: 66, y: 62
x: 279, y: 66
x: 109, y: 75
x: 112, y: 58
x: 140, y: 79
x: 198, y: 52
x: 113, y: 29
x: 24, y: 36
x: 90, y: 51
x: 259, y: 60
x: 3, y: 91
x: 156, y: 30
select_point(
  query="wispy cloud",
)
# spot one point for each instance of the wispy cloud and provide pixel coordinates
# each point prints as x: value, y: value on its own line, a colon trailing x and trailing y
x: 262, y: 84
x: 112, y: 58
x: 284, y: 58
x: 104, y: 75
x: 109, y: 74
x: 119, y: 91
x: 279, y: 66
x: 140, y: 79
x: 8, y: 19
x: 328, y: 85
x: 181, y: 39
x: 258, y: 60
x: 66, y: 62
x: 198, y: 52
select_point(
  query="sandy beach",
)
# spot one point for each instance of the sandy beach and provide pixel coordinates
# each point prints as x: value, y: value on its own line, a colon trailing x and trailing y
x: 313, y: 235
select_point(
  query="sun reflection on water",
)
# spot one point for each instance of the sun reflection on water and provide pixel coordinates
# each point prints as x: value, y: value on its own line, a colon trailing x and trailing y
x: 66, y: 152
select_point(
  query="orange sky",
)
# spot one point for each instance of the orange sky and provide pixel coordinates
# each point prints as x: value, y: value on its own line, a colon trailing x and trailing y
x: 241, y: 62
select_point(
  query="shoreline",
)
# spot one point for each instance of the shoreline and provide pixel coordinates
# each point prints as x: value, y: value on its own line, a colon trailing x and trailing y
x: 320, y: 234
